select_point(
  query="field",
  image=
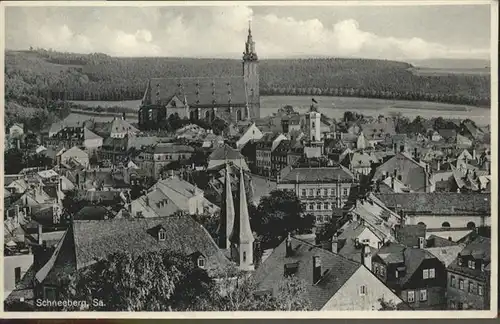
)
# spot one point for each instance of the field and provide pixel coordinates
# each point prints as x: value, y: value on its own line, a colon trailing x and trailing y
x: 334, y: 107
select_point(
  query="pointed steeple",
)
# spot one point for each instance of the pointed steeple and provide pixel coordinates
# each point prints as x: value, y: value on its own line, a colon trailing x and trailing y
x: 242, y: 237
x: 246, y: 235
x: 250, y: 53
x: 227, y: 214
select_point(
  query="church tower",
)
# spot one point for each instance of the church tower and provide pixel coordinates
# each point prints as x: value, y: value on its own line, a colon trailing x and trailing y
x: 242, y: 237
x: 227, y: 213
x: 251, y: 76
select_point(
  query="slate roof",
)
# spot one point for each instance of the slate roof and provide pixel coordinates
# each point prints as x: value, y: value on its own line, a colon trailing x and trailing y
x: 93, y: 213
x: 336, y: 270
x: 446, y: 254
x: 88, y: 241
x: 479, y: 248
x: 410, y: 257
x: 225, y: 153
x: 198, y: 91
x: 439, y: 202
x: 408, y: 234
x: 23, y: 290
x: 318, y: 175
x: 165, y: 148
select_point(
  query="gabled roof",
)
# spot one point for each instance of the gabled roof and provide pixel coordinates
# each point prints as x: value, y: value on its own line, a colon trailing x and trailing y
x: 317, y: 175
x: 336, y: 270
x: 184, y: 235
x: 89, y: 135
x: 399, y: 254
x: 479, y: 249
x: 438, y: 202
x: 225, y: 152
x: 446, y: 254
x: 197, y: 91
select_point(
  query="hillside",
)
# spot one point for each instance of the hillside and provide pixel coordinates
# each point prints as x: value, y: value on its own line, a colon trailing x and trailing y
x: 36, y: 77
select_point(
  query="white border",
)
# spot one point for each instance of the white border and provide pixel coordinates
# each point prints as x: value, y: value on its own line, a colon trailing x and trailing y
x: 305, y: 315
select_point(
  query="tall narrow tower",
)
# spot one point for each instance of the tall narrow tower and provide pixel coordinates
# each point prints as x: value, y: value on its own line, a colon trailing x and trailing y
x: 242, y: 237
x: 227, y: 214
x: 251, y: 75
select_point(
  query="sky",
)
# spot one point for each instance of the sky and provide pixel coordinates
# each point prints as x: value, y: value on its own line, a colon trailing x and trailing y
x: 381, y: 32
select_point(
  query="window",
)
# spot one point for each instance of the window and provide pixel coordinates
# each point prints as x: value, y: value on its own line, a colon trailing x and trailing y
x: 318, y: 206
x: 453, y: 282
x: 396, y: 274
x: 303, y: 192
x: 461, y: 284
x: 318, y: 219
x: 459, y: 261
x: 162, y: 235
x: 382, y: 271
x: 423, y: 295
x: 345, y: 192
x: 139, y: 214
x: 17, y: 274
x: 311, y: 192
x: 452, y: 304
x: 426, y: 274
x: 471, y: 287
x: 480, y: 290
x: 325, y: 192
x: 244, y: 256
x: 201, y: 262
x: 311, y: 206
x: 411, y: 296
x: 318, y: 192
x: 332, y: 192
x: 326, y: 206
x: 432, y: 273
x: 362, y: 290
x: 472, y: 264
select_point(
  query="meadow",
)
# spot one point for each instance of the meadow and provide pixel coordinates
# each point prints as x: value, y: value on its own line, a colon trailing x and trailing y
x: 334, y: 107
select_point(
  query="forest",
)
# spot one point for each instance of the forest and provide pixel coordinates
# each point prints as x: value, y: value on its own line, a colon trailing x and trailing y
x: 38, y: 76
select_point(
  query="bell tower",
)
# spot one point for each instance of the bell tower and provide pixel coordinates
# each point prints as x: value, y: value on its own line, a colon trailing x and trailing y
x: 251, y: 75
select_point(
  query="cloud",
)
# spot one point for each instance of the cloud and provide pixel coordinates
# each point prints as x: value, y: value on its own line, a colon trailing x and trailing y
x: 210, y: 32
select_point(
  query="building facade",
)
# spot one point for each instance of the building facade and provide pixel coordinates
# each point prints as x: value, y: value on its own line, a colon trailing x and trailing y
x: 230, y: 98
x: 321, y: 190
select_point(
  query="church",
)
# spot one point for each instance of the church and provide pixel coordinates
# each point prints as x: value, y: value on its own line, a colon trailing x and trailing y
x: 232, y: 99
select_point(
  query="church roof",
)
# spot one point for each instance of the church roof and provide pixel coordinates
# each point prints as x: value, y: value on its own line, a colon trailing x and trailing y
x: 198, y: 91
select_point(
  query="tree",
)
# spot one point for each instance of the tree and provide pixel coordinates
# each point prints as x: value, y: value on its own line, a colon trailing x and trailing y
x: 238, y: 292
x: 389, y: 305
x: 72, y: 204
x: 152, y: 281
x: 278, y: 214
x: 326, y: 232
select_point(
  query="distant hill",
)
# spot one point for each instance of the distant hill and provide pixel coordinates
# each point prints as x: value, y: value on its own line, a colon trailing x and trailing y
x: 451, y: 63
x: 37, y: 77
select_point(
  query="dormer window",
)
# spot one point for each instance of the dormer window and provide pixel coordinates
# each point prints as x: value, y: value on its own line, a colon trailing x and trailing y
x: 459, y: 260
x: 482, y: 267
x: 201, y: 262
x: 472, y: 264
x: 162, y: 235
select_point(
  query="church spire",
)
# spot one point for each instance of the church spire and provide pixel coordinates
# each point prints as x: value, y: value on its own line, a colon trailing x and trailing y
x: 227, y: 213
x: 250, y: 54
x: 242, y: 237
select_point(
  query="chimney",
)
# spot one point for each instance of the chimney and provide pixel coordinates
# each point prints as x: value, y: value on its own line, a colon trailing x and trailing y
x: 123, y: 116
x: 392, y: 183
x: 40, y: 231
x: 438, y: 165
x: 335, y: 244
x: 16, y: 215
x: 288, y: 246
x: 366, y: 256
x: 474, y: 156
x: 421, y: 242
x: 395, y: 173
x: 316, y: 269
x: 415, y: 154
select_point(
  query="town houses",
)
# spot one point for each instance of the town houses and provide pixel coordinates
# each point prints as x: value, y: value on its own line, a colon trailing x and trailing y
x: 362, y: 213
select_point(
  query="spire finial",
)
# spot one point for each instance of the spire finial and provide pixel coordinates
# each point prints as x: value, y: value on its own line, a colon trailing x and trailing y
x: 249, y: 26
